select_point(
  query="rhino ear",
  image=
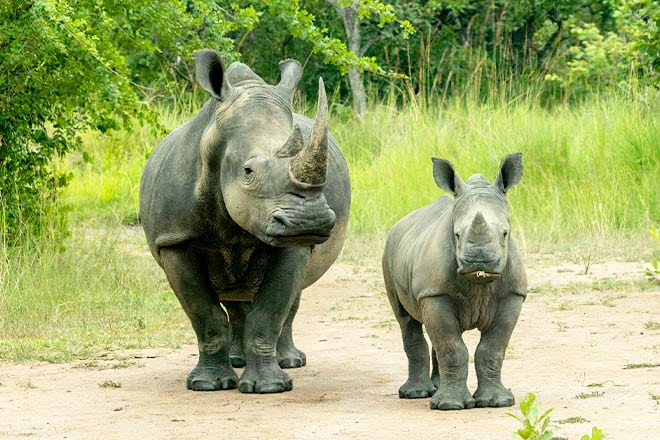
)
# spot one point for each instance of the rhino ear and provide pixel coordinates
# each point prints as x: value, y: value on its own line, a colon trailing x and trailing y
x: 291, y: 74
x: 446, y: 177
x: 210, y: 72
x: 511, y: 171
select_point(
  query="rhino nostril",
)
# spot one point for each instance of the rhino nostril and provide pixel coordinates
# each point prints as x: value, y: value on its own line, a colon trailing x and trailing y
x: 282, y: 219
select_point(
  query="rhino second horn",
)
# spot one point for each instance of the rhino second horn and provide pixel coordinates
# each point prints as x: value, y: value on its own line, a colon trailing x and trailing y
x: 293, y: 145
x: 310, y: 166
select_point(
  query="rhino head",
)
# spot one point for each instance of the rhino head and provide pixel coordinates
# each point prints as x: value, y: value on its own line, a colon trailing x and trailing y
x: 271, y: 181
x: 480, y: 217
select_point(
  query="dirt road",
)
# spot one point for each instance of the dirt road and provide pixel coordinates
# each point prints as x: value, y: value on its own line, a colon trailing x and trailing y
x: 586, y: 345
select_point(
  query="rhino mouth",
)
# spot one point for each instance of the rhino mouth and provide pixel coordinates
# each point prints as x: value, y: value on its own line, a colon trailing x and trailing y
x: 481, y: 276
x: 286, y: 231
x: 298, y: 240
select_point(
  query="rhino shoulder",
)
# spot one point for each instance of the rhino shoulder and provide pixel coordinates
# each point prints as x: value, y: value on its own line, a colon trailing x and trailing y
x: 517, y: 275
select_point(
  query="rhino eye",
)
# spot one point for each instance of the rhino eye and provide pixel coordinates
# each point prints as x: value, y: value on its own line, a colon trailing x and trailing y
x: 247, y: 170
x: 458, y: 236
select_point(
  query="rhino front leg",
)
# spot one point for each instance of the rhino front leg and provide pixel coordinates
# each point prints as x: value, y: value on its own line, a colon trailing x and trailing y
x: 264, y: 322
x: 209, y: 320
x: 288, y: 355
x: 490, y: 352
x: 442, y: 326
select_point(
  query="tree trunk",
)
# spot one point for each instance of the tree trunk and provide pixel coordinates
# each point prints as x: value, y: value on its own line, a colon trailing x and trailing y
x: 349, y: 16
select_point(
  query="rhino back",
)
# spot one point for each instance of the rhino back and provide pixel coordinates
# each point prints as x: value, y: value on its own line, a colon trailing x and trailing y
x: 419, y: 254
x: 338, y: 194
x: 167, y: 187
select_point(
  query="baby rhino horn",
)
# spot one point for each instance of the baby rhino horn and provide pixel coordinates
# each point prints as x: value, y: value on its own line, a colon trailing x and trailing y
x: 479, y: 227
x: 309, y: 167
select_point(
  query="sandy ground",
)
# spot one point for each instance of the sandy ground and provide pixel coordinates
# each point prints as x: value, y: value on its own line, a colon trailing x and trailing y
x: 588, y: 347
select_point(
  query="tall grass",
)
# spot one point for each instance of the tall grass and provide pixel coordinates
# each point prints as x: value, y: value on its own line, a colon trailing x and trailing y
x: 591, y: 173
x: 99, y: 293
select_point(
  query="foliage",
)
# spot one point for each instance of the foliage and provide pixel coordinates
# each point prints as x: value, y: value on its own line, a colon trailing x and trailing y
x: 535, y: 425
x: 600, y: 57
x: 59, y: 74
x: 596, y: 434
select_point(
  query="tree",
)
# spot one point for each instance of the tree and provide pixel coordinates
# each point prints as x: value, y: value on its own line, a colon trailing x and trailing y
x: 352, y: 13
x: 57, y: 77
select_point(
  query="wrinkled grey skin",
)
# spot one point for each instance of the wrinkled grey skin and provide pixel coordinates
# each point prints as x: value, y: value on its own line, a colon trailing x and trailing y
x: 246, y: 200
x: 452, y: 266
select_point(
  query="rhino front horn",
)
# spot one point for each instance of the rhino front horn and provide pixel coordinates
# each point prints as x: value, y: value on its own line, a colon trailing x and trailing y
x: 309, y: 167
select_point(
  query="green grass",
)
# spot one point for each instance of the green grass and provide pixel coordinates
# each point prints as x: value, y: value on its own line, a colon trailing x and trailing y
x: 590, y: 187
x: 98, y: 294
x: 591, y: 178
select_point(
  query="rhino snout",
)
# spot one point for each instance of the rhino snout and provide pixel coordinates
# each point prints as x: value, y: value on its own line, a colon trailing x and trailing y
x: 480, y: 270
x: 300, y: 228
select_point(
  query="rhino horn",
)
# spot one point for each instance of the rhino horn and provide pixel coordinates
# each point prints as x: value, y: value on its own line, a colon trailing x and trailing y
x: 293, y: 145
x: 479, y: 228
x: 291, y: 72
x: 309, y: 167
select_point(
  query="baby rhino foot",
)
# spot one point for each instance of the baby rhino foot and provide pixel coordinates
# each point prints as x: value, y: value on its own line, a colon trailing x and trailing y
x: 450, y: 399
x: 211, y: 379
x: 416, y: 389
x: 290, y: 357
x: 493, y: 396
x: 264, y: 376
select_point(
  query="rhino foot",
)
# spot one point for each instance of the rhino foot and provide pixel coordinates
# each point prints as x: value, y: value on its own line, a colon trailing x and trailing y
x: 211, y: 379
x: 278, y: 386
x: 237, y: 361
x: 452, y: 399
x: 264, y: 375
x: 416, y: 389
x: 493, y: 396
x: 292, y: 358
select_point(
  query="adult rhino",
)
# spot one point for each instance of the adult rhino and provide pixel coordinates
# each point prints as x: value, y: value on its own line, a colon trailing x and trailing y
x: 452, y: 266
x: 243, y: 207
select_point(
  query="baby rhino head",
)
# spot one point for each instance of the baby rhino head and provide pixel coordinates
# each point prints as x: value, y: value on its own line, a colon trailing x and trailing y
x: 480, y: 217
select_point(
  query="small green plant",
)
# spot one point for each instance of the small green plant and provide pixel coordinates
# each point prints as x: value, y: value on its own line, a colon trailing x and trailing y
x: 535, y: 425
x: 596, y: 434
x: 652, y: 325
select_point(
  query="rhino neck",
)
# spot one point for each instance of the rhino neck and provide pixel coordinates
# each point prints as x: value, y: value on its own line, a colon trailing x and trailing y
x: 208, y: 194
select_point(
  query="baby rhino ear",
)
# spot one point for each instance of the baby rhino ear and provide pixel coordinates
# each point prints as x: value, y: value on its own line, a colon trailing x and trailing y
x: 511, y: 171
x: 446, y: 177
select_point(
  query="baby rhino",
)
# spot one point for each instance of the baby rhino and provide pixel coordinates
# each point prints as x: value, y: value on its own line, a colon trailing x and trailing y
x: 453, y: 266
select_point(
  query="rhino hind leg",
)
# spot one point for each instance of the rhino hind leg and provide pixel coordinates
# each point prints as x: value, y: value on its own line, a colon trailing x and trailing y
x: 209, y: 320
x: 288, y: 355
x: 237, y: 312
x: 418, y: 385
